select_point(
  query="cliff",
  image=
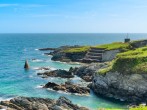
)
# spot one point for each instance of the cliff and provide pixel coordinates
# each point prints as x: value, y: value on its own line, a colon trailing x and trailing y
x: 125, y: 78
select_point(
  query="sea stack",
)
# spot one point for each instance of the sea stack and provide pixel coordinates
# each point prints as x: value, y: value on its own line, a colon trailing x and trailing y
x: 26, y: 66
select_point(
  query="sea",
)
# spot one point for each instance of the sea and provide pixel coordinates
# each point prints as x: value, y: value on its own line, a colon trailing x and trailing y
x: 16, y: 48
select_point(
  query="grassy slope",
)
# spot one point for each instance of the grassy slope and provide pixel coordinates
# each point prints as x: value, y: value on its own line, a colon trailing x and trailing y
x: 112, y: 46
x: 77, y: 50
x: 115, y: 45
x: 133, y: 61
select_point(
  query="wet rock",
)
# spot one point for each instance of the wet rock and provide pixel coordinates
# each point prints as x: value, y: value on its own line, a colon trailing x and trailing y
x: 127, y: 87
x: 46, y: 49
x: 43, y: 68
x: 67, y: 87
x: 25, y: 103
x: 26, y: 66
x: 87, y: 72
x: 57, y: 73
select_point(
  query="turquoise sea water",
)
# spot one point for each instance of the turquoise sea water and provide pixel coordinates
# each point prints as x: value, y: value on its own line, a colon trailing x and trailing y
x: 15, y: 81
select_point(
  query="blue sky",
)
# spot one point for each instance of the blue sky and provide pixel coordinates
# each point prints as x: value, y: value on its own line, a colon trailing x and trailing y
x: 73, y: 16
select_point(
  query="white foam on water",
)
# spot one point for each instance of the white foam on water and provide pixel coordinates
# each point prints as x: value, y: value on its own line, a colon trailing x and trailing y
x: 37, y: 60
x: 63, y: 92
x: 5, y: 99
x: 36, y: 49
x: 31, y: 76
x: 39, y: 86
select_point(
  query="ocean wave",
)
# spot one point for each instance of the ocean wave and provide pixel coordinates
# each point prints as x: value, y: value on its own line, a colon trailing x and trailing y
x: 5, y: 98
x: 36, y: 49
x: 37, y: 60
x: 39, y: 86
x: 46, y: 68
x: 69, y: 63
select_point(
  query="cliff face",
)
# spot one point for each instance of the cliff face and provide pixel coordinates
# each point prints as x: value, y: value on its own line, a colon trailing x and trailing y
x: 126, y: 87
x: 60, y: 54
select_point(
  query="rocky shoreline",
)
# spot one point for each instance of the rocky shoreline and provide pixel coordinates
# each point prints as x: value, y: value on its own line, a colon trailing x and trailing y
x: 30, y: 103
x: 130, y: 88
x: 68, y: 88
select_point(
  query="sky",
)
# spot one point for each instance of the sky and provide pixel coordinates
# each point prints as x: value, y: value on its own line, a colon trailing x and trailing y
x: 73, y: 16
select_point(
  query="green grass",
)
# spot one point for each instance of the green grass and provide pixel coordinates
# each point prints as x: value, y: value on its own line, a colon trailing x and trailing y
x: 112, y: 46
x: 115, y: 45
x: 77, y: 50
x: 106, y: 70
x: 133, y: 61
x: 141, y: 107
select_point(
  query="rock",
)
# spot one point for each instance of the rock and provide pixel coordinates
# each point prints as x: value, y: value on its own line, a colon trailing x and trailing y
x: 46, y: 49
x: 87, y: 72
x: 26, y: 66
x: 28, y: 103
x: 59, y: 55
x: 43, y: 68
x: 50, y: 85
x: 67, y: 87
x: 128, y: 87
x: 57, y: 73
x: 89, y: 85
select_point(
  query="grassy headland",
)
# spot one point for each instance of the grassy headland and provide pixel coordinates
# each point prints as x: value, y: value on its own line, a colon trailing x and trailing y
x: 132, y: 61
x: 112, y: 46
x: 77, y: 49
x: 115, y: 45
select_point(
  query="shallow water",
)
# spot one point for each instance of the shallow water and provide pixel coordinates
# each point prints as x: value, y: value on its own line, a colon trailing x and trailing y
x: 15, y: 81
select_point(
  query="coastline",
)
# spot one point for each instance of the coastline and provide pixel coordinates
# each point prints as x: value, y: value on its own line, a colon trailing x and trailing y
x: 38, y: 63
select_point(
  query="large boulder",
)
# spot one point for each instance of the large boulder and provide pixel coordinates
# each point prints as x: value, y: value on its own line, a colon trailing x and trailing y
x: 87, y: 72
x: 126, y: 87
x: 57, y: 73
x: 67, y: 87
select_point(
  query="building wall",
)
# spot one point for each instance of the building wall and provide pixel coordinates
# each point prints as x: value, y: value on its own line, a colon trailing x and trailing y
x: 109, y: 55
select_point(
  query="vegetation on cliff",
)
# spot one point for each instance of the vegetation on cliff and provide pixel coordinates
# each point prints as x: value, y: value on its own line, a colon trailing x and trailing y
x: 141, y: 107
x: 77, y: 49
x: 133, y: 61
x: 116, y: 45
x: 112, y: 46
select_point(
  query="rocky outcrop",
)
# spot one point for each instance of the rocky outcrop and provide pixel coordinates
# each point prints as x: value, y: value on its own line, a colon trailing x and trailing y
x: 46, y: 49
x: 43, y: 68
x: 25, y: 103
x: 26, y: 66
x: 127, y: 87
x: 59, y: 55
x: 57, y: 73
x: 69, y: 88
x: 87, y: 72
